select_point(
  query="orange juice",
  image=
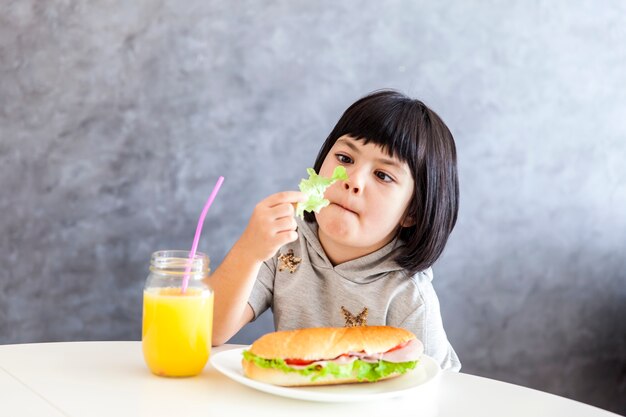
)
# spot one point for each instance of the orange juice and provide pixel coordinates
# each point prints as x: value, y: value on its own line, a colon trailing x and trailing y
x: 176, y: 336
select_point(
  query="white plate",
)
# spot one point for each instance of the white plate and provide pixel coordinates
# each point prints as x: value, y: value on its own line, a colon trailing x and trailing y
x: 420, y: 379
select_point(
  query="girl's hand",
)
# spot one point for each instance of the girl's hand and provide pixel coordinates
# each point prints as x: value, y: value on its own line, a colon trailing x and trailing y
x: 271, y: 226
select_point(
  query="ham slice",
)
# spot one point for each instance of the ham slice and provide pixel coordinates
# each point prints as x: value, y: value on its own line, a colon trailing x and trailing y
x: 411, y: 351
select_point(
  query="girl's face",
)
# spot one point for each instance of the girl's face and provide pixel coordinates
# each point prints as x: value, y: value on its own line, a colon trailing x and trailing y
x: 365, y: 211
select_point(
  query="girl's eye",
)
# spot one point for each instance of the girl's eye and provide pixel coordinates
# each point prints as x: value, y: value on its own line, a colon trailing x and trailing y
x: 383, y: 177
x: 344, y: 159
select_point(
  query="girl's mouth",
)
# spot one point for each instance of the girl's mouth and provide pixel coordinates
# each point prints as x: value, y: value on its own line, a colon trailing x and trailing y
x: 345, y: 208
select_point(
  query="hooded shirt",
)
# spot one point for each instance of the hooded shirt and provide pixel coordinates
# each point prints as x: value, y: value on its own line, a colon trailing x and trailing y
x: 304, y: 289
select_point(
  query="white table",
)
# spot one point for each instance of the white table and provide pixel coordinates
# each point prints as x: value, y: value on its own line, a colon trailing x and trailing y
x: 110, y: 379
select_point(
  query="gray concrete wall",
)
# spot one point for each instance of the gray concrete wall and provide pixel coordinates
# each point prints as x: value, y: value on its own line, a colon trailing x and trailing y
x: 116, y: 118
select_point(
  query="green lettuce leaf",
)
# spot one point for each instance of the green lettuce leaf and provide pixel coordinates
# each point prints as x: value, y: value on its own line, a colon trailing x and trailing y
x: 314, y: 188
x: 362, y: 370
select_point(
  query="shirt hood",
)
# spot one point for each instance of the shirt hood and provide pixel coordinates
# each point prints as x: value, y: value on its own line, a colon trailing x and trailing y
x: 362, y: 270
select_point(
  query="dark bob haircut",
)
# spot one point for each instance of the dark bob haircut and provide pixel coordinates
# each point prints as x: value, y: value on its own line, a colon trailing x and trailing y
x: 408, y: 130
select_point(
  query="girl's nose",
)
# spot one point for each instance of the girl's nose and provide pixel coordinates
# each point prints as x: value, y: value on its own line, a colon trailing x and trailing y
x: 352, y: 185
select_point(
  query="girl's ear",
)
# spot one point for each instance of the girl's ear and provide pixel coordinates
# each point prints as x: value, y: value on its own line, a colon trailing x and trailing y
x: 407, y: 221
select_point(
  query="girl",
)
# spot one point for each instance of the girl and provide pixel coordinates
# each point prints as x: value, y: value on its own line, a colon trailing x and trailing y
x: 366, y: 258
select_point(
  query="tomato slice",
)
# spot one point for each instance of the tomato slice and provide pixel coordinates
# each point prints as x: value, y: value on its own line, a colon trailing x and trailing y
x: 299, y: 362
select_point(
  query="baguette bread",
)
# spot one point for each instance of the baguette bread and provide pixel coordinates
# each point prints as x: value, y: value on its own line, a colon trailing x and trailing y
x: 321, y: 344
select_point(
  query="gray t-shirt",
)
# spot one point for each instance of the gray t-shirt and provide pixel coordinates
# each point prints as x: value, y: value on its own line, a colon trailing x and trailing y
x: 318, y: 294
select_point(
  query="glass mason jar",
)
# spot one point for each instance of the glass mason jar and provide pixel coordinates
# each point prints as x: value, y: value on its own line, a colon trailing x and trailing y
x: 177, y: 324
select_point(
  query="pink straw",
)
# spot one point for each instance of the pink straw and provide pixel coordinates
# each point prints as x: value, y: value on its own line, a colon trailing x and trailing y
x: 196, y: 238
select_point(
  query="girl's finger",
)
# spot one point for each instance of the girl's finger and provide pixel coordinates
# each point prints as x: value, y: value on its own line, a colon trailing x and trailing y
x: 287, y: 236
x: 285, y: 197
x: 285, y: 224
x: 282, y: 210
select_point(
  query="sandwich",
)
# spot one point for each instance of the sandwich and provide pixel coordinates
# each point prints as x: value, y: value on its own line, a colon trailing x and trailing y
x: 332, y: 355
